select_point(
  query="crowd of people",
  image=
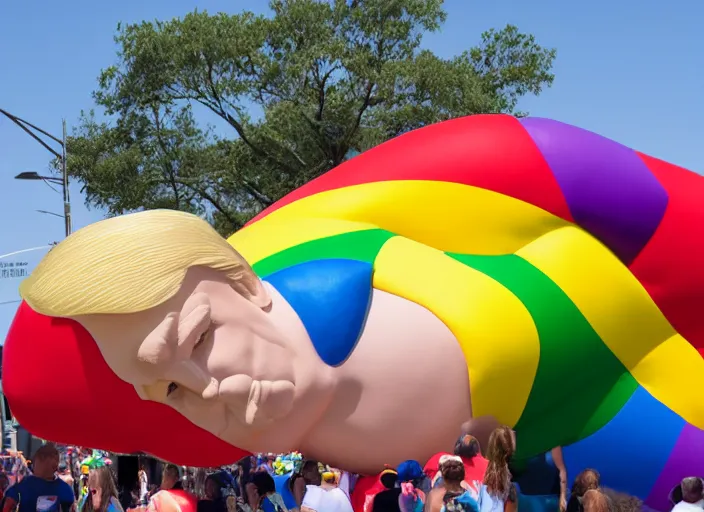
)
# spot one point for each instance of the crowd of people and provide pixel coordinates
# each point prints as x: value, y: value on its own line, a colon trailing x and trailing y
x: 462, y: 480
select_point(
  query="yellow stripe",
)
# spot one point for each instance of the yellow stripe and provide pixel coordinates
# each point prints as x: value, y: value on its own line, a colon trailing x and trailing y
x: 494, y: 329
x: 447, y: 216
x: 267, y: 237
x: 625, y: 317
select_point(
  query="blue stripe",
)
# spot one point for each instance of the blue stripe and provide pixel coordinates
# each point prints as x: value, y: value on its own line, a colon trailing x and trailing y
x: 631, y: 450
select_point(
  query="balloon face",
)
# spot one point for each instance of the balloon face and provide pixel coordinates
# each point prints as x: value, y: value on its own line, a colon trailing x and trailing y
x: 486, y: 267
x: 208, y: 353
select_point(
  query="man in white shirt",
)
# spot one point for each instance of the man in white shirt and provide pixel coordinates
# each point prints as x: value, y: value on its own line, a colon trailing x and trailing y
x: 143, y: 485
x: 692, y: 495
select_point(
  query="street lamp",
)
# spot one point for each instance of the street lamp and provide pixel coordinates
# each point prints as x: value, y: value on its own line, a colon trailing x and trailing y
x: 30, y: 175
x: 33, y: 176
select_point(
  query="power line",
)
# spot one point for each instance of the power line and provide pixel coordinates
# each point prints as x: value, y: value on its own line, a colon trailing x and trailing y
x: 13, y: 253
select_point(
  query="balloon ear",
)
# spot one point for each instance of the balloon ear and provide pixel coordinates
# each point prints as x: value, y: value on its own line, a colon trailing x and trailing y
x: 251, y: 287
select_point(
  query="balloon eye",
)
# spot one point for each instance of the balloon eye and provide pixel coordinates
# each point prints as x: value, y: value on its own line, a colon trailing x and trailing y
x: 171, y: 388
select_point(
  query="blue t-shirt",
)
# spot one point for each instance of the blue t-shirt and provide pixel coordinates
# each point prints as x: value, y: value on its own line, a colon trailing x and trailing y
x: 38, y: 495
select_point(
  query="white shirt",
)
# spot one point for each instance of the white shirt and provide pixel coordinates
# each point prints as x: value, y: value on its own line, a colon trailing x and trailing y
x: 683, y: 506
x: 345, y: 483
x: 142, y: 484
x: 320, y: 500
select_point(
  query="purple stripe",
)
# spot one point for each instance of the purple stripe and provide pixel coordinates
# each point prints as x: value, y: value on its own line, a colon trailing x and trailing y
x: 610, y: 191
x: 686, y: 459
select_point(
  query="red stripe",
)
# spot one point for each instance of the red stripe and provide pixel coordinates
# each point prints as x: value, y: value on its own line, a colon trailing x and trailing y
x: 493, y: 152
x: 670, y: 266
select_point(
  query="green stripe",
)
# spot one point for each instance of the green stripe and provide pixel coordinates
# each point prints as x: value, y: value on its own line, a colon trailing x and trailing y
x: 358, y: 245
x: 580, y: 385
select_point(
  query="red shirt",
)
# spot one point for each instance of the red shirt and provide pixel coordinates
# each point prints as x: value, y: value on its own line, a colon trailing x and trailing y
x: 364, y: 491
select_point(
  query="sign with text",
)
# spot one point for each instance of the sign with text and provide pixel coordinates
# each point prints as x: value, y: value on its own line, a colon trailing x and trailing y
x: 14, y: 269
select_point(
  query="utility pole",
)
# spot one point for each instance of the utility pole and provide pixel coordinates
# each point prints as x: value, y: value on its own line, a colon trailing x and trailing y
x: 29, y: 128
x: 64, y: 182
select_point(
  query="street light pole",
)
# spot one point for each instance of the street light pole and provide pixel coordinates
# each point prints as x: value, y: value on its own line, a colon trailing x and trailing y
x: 62, y: 157
x: 64, y: 182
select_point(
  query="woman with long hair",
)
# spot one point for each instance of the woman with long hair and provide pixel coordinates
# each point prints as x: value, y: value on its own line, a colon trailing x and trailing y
x: 497, y: 493
x: 102, y: 494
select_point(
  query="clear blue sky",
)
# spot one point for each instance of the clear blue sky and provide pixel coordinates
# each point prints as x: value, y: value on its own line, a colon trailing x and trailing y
x: 630, y: 70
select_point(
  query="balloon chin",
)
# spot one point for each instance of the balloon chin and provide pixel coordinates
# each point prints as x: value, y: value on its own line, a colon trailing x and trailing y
x: 60, y: 388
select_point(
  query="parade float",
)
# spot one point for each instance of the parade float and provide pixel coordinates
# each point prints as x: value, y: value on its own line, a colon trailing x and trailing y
x: 487, y: 270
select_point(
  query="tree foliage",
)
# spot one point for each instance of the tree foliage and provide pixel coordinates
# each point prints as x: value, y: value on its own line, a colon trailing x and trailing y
x: 298, y: 90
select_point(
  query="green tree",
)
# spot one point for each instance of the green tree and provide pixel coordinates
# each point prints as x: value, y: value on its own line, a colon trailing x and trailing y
x: 300, y: 89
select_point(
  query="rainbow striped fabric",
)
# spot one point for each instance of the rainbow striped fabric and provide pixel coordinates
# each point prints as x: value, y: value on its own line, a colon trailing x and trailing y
x: 563, y: 262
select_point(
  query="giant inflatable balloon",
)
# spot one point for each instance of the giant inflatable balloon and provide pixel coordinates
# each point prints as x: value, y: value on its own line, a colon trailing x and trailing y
x: 486, y: 267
